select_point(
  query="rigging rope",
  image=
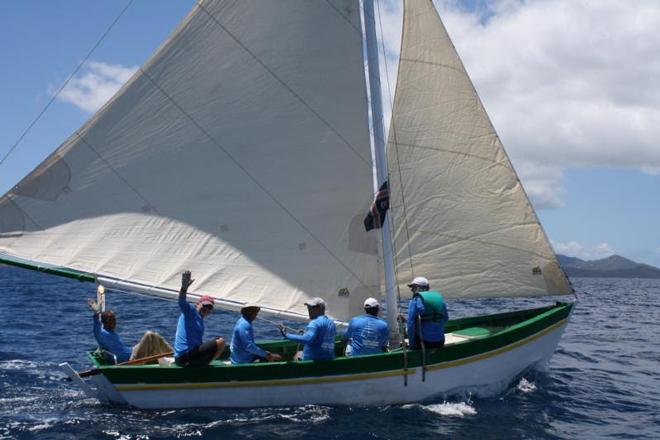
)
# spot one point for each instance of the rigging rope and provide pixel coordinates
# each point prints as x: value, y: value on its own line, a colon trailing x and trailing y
x: 29, y: 127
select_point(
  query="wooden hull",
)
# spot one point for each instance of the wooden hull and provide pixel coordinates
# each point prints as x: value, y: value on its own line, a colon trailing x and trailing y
x: 483, y: 356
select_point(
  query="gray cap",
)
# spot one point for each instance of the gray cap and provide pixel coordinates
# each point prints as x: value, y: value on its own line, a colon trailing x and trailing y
x: 315, y: 302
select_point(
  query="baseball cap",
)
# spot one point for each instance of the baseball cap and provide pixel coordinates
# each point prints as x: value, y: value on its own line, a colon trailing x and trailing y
x: 371, y: 303
x: 315, y: 302
x: 206, y: 301
x: 419, y: 281
x: 250, y: 305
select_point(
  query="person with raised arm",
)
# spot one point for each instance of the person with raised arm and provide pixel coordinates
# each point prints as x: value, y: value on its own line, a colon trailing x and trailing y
x: 190, y: 350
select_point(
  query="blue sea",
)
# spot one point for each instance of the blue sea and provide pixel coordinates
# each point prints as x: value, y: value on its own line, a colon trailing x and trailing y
x: 603, y: 381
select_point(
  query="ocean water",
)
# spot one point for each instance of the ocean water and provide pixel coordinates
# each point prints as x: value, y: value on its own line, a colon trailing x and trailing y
x: 603, y: 382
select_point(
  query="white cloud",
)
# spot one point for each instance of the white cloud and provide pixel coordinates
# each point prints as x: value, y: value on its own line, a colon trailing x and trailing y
x: 95, y: 85
x: 575, y: 249
x: 567, y: 83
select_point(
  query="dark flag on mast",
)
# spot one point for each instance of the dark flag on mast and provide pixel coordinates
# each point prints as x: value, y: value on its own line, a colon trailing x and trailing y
x: 378, y: 209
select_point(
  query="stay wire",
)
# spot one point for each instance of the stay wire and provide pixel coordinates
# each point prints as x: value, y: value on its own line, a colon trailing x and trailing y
x: 77, y: 69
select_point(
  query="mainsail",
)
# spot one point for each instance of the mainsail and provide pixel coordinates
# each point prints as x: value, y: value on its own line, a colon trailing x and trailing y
x: 240, y: 151
x: 461, y: 217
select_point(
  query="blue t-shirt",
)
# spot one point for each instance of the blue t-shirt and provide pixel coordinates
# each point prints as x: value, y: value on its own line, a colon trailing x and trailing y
x: 431, y: 331
x: 319, y: 339
x: 243, y: 348
x: 368, y: 335
x: 110, y: 341
x: 189, y: 329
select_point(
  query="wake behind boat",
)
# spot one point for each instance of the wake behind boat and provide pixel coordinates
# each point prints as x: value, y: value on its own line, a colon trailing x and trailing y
x: 241, y: 150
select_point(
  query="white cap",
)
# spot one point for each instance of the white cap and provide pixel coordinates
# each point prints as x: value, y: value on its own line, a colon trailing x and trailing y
x: 419, y: 281
x: 371, y: 303
x: 315, y: 302
x: 250, y: 305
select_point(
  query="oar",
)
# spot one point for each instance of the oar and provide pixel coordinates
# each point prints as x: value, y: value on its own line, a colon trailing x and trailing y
x: 140, y: 361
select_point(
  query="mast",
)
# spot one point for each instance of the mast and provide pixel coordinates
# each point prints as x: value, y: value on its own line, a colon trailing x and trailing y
x: 380, y: 160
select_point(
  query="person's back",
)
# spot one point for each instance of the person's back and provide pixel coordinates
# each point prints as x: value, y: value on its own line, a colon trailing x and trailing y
x: 367, y: 334
x: 319, y: 336
x: 322, y: 346
x: 433, y: 312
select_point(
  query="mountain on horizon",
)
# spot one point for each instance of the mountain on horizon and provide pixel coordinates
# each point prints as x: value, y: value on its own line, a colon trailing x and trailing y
x: 614, y: 266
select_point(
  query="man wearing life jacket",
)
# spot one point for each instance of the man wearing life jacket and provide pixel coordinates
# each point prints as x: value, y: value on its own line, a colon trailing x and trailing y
x: 189, y: 348
x: 319, y: 336
x: 427, y: 311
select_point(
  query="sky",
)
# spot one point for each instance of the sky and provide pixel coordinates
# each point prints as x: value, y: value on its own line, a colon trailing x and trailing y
x: 571, y: 86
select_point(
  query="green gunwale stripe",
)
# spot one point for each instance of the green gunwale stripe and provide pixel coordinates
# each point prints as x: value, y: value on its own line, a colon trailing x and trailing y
x: 343, y: 378
x: 518, y: 326
x: 495, y: 352
x: 260, y: 383
x: 59, y: 271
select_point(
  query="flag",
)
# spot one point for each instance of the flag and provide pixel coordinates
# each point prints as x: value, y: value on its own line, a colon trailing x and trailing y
x: 379, y: 207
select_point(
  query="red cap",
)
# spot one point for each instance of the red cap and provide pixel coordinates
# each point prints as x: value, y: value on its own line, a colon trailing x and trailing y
x: 206, y: 301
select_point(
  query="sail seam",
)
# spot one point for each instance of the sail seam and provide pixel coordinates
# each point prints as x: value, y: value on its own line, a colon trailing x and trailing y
x: 251, y: 177
x: 149, y: 204
x: 286, y: 86
x: 11, y: 199
x: 458, y: 153
x: 432, y: 63
x: 344, y: 17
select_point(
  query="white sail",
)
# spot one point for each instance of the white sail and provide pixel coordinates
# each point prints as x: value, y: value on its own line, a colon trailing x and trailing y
x: 461, y: 217
x: 240, y: 151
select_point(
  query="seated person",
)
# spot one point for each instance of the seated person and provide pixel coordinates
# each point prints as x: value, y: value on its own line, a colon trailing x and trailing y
x: 243, y: 348
x: 105, y: 323
x: 189, y: 348
x: 367, y: 334
x: 319, y: 336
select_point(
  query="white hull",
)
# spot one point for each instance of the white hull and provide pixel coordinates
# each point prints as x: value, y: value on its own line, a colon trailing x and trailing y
x: 482, y: 375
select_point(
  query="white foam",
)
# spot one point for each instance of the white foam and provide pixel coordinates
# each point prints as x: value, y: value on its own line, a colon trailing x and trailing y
x: 447, y: 409
x: 18, y: 364
x: 525, y: 386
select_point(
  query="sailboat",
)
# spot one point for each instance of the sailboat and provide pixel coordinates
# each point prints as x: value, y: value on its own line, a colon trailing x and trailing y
x: 242, y: 150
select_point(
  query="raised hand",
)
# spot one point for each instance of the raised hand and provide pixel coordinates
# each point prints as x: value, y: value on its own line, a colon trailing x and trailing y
x: 186, y: 280
x: 92, y: 305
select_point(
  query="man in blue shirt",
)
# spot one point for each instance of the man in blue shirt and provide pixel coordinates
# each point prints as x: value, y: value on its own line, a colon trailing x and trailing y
x: 243, y: 348
x: 104, y: 331
x: 319, y: 336
x: 426, y: 311
x: 367, y: 333
x: 189, y: 348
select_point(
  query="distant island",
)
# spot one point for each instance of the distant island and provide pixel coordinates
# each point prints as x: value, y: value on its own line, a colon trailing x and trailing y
x: 615, y: 266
